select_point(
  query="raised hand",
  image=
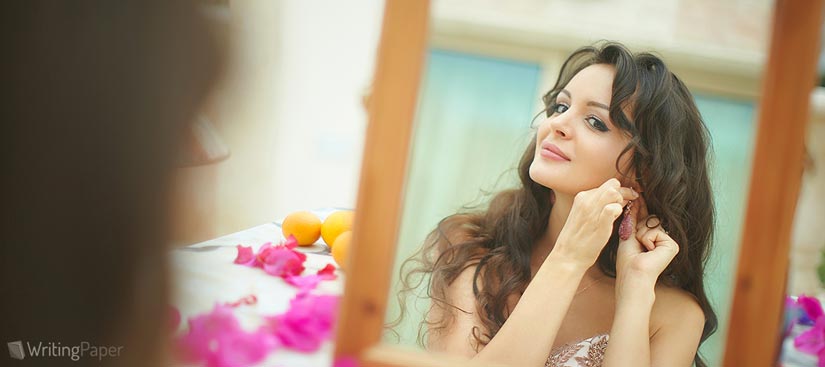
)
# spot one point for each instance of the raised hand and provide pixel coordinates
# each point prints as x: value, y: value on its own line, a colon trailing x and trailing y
x: 590, y: 222
x: 646, y: 253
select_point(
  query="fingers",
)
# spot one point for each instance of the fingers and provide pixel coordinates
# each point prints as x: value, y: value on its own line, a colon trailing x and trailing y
x: 664, y: 245
x: 652, y: 221
x: 613, y: 184
x: 627, y: 194
x: 643, y: 236
x: 609, y: 214
x: 652, y: 235
x: 612, y: 192
x: 609, y: 200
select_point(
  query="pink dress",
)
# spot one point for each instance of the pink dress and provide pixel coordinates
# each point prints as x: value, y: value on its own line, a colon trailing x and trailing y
x: 585, y: 353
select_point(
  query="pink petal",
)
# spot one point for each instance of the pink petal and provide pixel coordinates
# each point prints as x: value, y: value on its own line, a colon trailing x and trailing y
x: 263, y: 252
x: 291, y: 242
x: 217, y: 339
x: 308, y: 322
x: 245, y: 256
x: 812, y: 341
x: 248, y: 300
x: 241, y: 349
x: 194, y: 346
x: 811, y: 306
x: 305, y: 283
x: 328, y: 272
x: 345, y: 361
x: 821, y: 357
x: 281, y: 261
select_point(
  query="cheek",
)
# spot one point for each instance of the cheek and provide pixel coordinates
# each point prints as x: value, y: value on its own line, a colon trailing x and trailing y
x: 600, y: 164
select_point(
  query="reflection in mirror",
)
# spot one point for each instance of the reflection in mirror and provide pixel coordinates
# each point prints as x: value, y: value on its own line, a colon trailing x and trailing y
x: 487, y: 69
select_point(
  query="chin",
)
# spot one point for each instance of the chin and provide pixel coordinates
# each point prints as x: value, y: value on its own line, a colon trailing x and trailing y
x: 555, y: 180
x: 542, y: 176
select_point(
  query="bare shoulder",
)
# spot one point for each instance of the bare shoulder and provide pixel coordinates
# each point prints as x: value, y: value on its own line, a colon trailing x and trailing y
x: 675, y: 307
x: 677, y: 323
x: 461, y: 289
x: 456, y: 317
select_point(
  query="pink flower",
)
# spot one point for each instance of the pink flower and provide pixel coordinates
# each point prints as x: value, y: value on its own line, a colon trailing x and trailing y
x: 812, y: 341
x: 308, y: 322
x: 811, y: 306
x: 307, y: 283
x: 329, y: 271
x: 218, y: 340
x: 345, y: 362
x: 281, y: 260
x: 248, y: 300
x: 245, y: 256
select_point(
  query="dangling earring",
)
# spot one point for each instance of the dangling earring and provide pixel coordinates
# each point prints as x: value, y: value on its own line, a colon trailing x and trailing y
x: 626, y: 227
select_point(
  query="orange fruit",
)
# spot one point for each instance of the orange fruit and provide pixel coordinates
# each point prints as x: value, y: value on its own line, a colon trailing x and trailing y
x: 340, y: 249
x: 305, y: 226
x: 335, y: 224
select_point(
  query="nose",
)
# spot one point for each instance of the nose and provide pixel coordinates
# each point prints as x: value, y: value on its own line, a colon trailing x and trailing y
x: 560, y: 126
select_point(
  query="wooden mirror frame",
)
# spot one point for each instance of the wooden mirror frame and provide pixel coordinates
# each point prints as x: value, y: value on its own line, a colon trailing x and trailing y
x: 753, y: 333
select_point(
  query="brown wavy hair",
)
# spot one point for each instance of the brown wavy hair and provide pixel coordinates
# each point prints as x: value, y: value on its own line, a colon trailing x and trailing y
x: 669, y: 145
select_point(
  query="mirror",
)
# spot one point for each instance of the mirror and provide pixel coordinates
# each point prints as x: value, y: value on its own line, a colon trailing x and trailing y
x: 361, y: 305
x: 487, y: 68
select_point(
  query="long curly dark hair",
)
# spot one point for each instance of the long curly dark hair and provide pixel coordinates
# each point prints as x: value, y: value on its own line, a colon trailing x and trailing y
x: 669, y: 146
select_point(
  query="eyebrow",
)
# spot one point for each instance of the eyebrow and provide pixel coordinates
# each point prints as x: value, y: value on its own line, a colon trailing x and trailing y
x: 591, y: 103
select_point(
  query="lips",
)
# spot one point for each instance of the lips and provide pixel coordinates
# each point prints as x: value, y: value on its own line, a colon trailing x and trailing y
x: 554, y: 151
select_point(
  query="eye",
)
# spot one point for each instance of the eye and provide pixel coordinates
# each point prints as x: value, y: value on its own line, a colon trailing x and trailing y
x: 556, y: 108
x: 596, y: 123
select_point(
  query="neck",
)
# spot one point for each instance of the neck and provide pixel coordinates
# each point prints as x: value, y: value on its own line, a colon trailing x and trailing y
x: 558, y: 217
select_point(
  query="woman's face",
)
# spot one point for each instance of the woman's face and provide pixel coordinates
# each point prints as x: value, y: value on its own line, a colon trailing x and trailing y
x: 577, y: 146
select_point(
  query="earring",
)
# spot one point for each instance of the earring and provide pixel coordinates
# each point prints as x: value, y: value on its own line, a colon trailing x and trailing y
x: 626, y: 227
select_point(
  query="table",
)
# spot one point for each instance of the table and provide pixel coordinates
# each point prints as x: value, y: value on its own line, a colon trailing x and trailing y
x: 204, y: 274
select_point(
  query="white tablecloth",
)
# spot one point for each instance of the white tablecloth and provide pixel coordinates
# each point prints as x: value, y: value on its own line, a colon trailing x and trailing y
x: 204, y: 274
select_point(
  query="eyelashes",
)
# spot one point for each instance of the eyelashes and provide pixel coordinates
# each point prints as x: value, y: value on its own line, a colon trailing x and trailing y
x: 556, y: 108
x: 596, y: 123
x: 593, y: 121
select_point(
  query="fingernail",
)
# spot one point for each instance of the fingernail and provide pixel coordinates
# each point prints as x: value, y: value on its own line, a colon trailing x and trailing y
x: 634, y: 192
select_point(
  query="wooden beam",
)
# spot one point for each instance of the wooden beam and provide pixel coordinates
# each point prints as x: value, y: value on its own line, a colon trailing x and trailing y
x: 383, y: 171
x: 754, y: 330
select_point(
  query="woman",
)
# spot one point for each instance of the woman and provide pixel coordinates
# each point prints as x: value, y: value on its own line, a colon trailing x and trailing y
x: 541, y: 276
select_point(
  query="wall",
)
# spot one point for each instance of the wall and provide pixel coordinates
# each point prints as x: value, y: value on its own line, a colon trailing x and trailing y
x: 290, y: 112
x: 808, y: 242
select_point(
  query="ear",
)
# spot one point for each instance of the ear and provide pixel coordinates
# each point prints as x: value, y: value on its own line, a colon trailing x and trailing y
x: 632, y: 180
x: 628, y: 175
x: 637, y: 186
